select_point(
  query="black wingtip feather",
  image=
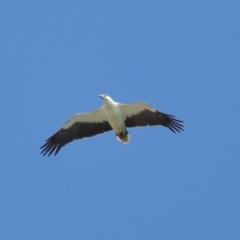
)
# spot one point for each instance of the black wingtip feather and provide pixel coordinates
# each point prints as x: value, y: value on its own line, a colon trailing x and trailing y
x: 174, y: 124
x: 50, y: 146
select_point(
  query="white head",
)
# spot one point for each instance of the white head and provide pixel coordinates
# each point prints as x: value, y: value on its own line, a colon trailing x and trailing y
x: 105, y: 98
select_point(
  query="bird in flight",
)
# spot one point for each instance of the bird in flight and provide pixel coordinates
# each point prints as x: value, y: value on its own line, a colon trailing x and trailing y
x: 111, y: 116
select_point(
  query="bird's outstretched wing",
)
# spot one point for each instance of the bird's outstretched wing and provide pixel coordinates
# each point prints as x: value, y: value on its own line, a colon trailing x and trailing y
x: 141, y: 114
x: 79, y: 126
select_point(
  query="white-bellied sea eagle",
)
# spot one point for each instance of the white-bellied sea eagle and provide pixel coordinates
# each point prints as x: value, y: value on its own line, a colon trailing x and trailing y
x: 111, y: 116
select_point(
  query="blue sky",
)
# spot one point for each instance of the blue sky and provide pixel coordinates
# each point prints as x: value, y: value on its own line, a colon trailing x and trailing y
x: 181, y: 57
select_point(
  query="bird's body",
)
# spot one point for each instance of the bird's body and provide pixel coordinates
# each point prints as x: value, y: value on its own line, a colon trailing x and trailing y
x: 114, y: 115
x: 111, y: 116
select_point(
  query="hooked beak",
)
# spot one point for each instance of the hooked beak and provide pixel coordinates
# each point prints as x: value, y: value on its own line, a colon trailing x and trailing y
x: 101, y: 96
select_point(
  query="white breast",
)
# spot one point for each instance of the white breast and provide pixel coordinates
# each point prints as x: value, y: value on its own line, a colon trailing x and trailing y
x: 114, y: 117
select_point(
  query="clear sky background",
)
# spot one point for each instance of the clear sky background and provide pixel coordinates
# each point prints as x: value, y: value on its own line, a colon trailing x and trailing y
x: 181, y: 57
